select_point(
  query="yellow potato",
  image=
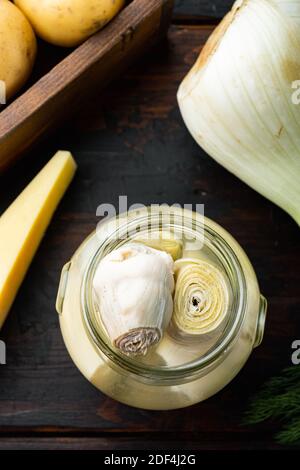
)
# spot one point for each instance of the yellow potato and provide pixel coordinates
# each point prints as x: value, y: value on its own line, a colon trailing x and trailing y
x: 68, y: 22
x: 17, y: 48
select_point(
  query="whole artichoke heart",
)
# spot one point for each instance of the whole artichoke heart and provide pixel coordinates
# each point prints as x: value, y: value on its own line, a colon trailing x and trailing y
x: 133, y: 286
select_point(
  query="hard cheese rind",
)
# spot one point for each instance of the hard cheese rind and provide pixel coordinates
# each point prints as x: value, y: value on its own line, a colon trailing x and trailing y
x: 24, y: 223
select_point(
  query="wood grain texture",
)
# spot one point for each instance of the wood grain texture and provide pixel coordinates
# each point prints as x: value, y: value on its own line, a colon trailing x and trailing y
x: 151, y: 443
x: 132, y: 141
x: 90, y: 66
x: 200, y: 9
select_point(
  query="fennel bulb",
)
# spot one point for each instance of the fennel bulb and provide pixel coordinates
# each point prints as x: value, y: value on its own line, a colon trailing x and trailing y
x: 240, y: 99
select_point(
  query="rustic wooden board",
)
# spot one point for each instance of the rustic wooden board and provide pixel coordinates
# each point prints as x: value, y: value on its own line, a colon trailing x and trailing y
x: 192, y: 9
x: 132, y: 141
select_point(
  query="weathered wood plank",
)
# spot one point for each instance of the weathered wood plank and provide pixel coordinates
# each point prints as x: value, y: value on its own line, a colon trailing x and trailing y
x: 152, y: 444
x: 202, y: 8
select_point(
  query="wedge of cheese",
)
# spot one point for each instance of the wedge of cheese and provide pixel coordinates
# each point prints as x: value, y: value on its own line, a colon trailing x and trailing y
x: 24, y: 223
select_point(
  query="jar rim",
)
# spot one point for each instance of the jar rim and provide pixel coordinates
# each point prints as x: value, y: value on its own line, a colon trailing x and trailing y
x: 219, y: 350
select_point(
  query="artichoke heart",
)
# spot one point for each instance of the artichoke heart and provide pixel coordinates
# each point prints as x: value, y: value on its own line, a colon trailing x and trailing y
x: 201, y: 298
x: 133, y: 286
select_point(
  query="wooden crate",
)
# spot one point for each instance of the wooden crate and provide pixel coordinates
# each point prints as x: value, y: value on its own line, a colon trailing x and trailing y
x: 89, y: 67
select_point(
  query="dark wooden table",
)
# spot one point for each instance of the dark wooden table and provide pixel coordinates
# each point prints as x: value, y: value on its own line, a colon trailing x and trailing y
x: 131, y: 140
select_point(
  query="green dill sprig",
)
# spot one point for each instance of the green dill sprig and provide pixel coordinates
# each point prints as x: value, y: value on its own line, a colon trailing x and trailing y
x: 279, y: 400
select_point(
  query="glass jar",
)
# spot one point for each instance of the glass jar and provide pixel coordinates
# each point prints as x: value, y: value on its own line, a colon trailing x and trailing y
x: 172, y: 375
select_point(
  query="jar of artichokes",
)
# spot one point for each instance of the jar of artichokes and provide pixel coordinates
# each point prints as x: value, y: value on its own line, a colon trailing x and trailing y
x: 184, y: 367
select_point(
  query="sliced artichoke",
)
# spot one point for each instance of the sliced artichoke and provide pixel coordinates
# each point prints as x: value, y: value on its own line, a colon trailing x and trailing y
x: 169, y: 245
x: 133, y: 287
x: 201, y: 298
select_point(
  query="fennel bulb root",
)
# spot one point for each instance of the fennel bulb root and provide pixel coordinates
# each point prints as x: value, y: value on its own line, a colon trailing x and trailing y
x: 240, y: 99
